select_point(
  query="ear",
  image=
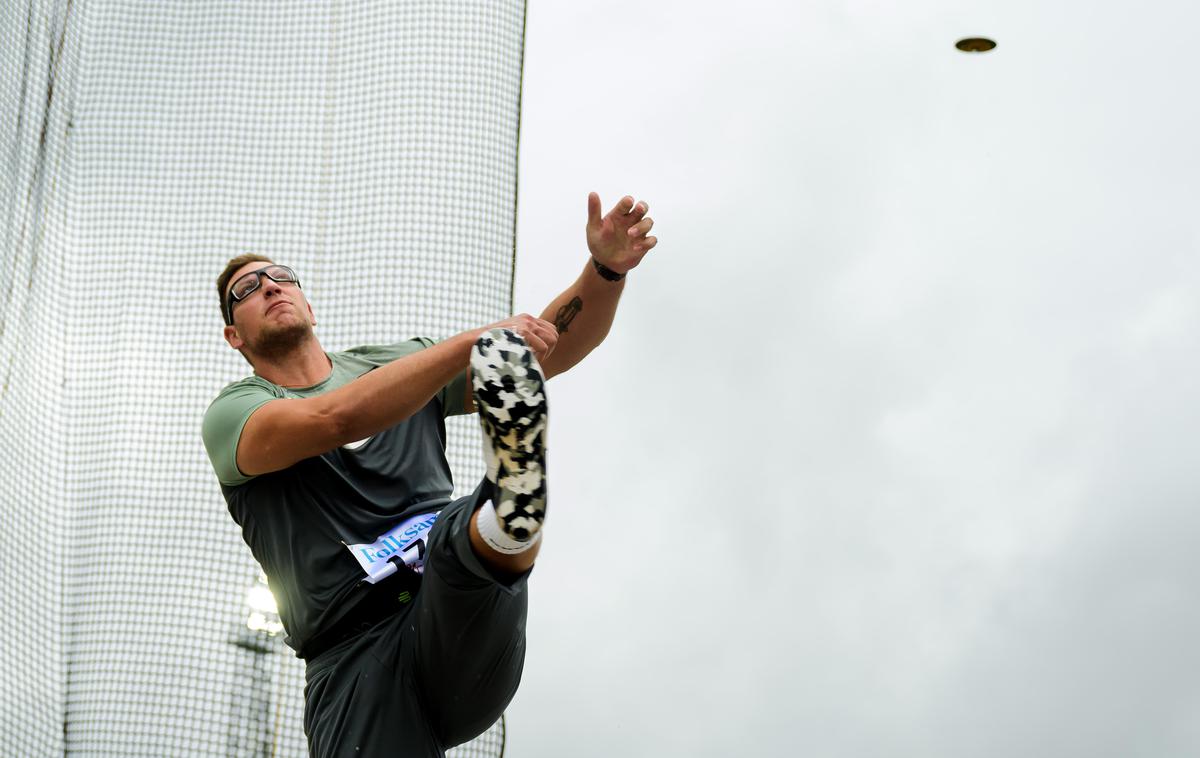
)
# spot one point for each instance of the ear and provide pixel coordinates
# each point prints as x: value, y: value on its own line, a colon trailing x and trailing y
x: 233, y: 338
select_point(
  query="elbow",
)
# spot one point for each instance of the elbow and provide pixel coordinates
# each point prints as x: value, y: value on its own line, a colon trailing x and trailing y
x: 334, y: 422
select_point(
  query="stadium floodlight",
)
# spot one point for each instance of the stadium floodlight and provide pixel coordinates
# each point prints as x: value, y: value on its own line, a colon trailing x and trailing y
x: 264, y: 611
x: 259, y: 598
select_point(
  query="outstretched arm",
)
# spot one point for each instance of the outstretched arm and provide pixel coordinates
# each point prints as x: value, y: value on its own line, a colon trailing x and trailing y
x: 584, y: 312
x: 282, y: 432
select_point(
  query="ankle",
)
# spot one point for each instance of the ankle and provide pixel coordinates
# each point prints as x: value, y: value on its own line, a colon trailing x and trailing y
x: 494, y: 535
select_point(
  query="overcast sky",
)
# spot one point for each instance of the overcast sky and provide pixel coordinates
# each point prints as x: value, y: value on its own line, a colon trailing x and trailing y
x: 891, y: 449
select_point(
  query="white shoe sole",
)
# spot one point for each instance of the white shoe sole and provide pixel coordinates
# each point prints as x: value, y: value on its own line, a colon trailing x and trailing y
x: 510, y: 395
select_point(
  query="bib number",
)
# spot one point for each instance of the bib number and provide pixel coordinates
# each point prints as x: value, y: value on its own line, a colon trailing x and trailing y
x: 402, y: 544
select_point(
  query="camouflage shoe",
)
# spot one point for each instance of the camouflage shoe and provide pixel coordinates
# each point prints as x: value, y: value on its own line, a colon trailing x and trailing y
x: 510, y: 395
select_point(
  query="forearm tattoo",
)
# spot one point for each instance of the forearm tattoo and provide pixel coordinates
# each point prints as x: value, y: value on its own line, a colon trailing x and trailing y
x: 567, y: 314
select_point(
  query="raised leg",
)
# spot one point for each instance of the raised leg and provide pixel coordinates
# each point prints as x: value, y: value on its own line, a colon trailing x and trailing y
x: 510, y: 395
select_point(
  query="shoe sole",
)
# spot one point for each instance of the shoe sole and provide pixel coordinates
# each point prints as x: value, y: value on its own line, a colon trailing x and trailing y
x: 510, y: 395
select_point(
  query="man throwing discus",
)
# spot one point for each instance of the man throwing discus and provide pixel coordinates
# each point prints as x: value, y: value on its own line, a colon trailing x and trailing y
x: 408, y: 607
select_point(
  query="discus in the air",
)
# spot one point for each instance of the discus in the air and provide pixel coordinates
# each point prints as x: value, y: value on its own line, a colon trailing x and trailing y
x: 975, y: 45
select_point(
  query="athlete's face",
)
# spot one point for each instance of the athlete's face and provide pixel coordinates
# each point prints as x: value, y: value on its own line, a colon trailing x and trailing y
x: 271, y: 320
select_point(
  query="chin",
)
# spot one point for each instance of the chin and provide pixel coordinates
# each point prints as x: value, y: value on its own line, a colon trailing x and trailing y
x: 278, y: 341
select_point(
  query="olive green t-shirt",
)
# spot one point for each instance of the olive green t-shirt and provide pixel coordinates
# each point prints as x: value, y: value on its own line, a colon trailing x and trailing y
x: 304, y: 523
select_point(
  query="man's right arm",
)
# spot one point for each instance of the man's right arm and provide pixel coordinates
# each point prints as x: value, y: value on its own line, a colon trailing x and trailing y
x: 283, y: 432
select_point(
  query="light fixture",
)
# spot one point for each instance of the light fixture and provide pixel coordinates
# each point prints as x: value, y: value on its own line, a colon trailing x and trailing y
x: 264, y: 611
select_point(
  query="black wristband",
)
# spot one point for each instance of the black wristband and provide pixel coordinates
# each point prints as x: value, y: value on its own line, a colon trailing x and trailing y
x: 607, y: 272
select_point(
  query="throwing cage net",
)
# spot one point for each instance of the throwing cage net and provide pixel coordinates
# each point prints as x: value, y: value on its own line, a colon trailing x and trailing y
x: 370, y: 145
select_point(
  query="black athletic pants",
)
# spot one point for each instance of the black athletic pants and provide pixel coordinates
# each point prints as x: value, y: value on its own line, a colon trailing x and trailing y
x: 437, y: 673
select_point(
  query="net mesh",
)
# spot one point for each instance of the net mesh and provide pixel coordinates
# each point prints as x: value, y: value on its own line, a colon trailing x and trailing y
x: 370, y: 145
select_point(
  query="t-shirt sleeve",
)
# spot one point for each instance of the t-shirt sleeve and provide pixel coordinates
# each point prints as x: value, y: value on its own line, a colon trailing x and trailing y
x: 454, y: 394
x: 223, y: 424
x: 451, y: 396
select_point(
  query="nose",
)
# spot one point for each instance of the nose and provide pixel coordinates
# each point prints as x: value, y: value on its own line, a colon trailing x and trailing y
x: 269, y: 286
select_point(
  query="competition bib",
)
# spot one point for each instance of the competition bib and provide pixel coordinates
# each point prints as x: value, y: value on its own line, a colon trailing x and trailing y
x: 401, y: 544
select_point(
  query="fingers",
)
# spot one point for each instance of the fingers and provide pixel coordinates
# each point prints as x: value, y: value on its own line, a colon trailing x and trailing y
x: 593, y: 209
x: 539, y: 334
x: 621, y: 210
x: 641, y: 228
x: 639, y: 210
x: 627, y: 213
x: 546, y: 332
x: 535, y: 344
x: 645, y: 245
x: 541, y: 348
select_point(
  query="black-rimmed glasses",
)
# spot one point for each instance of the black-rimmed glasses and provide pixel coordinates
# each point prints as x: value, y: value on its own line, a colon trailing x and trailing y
x: 247, y: 283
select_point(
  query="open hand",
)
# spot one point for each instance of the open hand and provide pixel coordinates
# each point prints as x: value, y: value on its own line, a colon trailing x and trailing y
x: 618, y: 240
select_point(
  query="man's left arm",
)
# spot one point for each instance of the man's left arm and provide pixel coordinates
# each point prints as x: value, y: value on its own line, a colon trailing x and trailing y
x: 584, y: 312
